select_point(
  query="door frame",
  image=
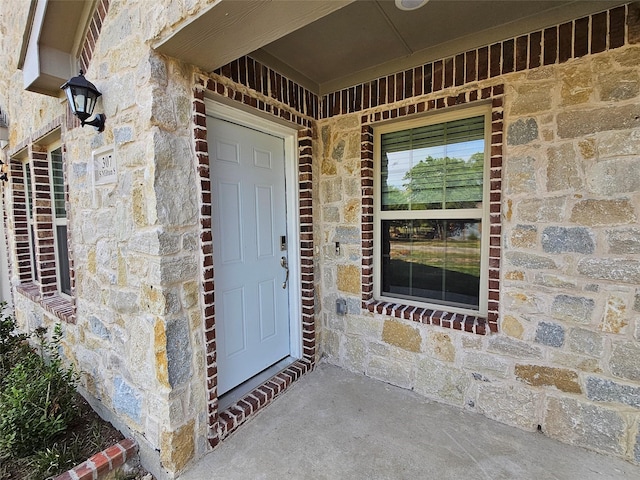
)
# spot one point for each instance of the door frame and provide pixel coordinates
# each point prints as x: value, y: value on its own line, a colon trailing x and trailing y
x: 289, y: 137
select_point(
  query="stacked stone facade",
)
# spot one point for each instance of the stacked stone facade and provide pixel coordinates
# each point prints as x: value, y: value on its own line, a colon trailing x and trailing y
x: 135, y: 329
x: 563, y: 355
x: 560, y: 349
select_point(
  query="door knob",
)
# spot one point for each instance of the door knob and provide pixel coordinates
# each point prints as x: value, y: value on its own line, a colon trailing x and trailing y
x: 285, y: 265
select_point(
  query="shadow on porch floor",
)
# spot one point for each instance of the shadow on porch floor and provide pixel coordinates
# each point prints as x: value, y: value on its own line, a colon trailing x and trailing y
x: 333, y: 424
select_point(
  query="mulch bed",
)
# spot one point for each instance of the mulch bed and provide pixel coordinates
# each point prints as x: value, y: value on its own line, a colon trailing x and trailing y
x: 86, y: 436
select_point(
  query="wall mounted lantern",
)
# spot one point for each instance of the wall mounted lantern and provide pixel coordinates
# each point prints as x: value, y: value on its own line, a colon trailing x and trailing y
x: 82, y: 96
x: 4, y: 169
x: 4, y: 140
x: 4, y: 129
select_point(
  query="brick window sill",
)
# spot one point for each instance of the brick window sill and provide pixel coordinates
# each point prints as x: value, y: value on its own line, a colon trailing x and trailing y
x: 61, y: 307
x: 457, y: 321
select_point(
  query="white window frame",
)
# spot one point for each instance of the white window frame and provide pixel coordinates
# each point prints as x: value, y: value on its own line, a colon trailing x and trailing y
x: 56, y: 222
x: 380, y: 215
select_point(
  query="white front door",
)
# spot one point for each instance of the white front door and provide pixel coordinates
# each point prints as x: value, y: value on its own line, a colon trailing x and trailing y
x: 247, y: 169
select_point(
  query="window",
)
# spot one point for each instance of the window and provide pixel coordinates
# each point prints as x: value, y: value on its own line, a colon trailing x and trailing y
x: 44, y: 263
x: 431, y: 219
x: 59, y: 220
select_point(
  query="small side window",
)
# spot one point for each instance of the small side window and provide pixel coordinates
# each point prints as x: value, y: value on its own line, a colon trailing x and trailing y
x: 60, y: 221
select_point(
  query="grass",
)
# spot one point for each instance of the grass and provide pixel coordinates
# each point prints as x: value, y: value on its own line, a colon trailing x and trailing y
x: 435, y: 270
x: 458, y: 256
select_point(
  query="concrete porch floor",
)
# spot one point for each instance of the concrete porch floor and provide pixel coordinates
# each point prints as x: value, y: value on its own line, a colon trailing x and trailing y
x: 333, y: 424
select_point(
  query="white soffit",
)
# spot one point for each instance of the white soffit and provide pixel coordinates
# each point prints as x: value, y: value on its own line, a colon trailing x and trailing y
x: 230, y: 29
x: 329, y: 52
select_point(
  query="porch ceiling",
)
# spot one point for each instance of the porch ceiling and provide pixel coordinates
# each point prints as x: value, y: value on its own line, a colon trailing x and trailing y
x: 329, y: 45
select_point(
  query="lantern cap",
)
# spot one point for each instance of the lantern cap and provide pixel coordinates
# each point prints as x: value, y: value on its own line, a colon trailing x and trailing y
x: 81, y: 82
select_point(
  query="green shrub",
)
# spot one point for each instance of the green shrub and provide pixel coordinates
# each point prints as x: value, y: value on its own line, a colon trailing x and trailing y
x: 45, y: 426
x: 37, y: 393
x: 12, y: 344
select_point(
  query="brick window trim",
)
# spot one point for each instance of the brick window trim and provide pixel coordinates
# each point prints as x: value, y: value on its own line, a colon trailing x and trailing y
x: 274, y: 94
x: 457, y: 321
x: 57, y: 305
x: 223, y: 423
x: 44, y: 293
x: 62, y: 307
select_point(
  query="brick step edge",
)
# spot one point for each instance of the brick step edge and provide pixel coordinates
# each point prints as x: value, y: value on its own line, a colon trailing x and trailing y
x: 103, y: 463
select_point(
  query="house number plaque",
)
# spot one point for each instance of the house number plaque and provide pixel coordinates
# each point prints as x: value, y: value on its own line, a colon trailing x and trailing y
x: 104, y: 167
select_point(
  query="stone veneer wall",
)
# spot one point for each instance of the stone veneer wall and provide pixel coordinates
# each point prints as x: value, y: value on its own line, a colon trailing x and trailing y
x: 138, y: 335
x: 566, y: 354
x: 142, y: 330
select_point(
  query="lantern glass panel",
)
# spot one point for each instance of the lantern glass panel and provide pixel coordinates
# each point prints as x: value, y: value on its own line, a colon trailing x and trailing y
x: 80, y: 100
x: 90, y: 102
x: 70, y: 99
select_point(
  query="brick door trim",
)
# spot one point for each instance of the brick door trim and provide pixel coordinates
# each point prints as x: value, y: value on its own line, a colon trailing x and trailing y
x: 222, y: 422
